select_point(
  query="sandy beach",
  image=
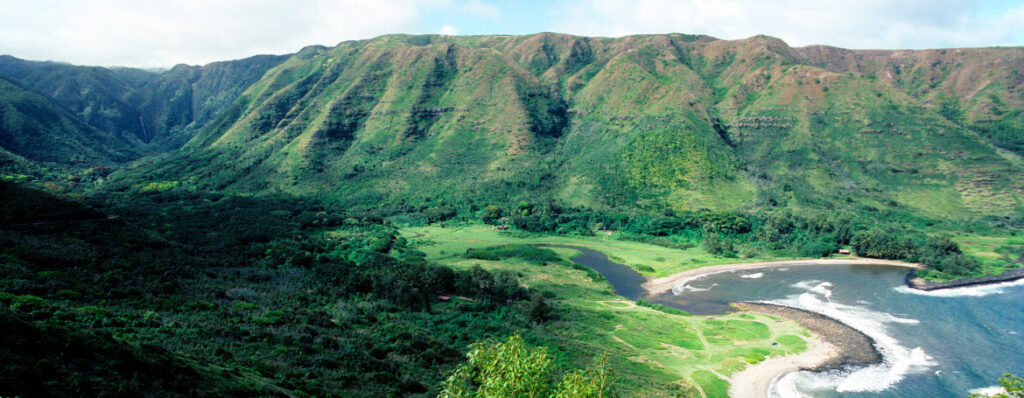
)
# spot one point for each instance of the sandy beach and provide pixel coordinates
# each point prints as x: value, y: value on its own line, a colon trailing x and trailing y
x: 754, y: 381
x: 664, y: 284
x: 834, y: 346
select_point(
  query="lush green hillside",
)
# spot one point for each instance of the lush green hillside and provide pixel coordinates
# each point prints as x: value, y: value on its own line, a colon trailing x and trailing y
x: 33, y: 129
x: 140, y: 106
x: 239, y: 222
x: 94, y: 94
x: 982, y: 89
x: 640, y: 122
x: 174, y: 104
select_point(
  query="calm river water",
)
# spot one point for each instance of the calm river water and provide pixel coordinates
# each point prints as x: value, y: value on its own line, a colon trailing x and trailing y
x: 946, y: 343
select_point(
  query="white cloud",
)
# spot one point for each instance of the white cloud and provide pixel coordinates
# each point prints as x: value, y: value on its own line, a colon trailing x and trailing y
x: 449, y: 30
x: 164, y: 33
x: 479, y: 9
x: 853, y: 24
x: 150, y: 33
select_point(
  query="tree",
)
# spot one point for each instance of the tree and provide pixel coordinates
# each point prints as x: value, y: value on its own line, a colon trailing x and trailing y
x: 511, y: 369
x: 538, y: 309
x: 1013, y: 385
x: 880, y: 243
x: 491, y: 214
x: 592, y: 383
x: 716, y: 245
x: 943, y: 254
x: 817, y: 249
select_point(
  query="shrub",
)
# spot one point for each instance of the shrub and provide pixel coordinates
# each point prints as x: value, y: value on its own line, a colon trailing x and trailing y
x: 942, y: 254
x: 817, y: 249
x: 511, y: 369
x: 529, y: 253
x: 482, y: 254
x: 716, y: 245
x: 878, y: 243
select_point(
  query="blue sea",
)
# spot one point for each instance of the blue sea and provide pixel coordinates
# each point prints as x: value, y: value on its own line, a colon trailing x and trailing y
x: 946, y: 343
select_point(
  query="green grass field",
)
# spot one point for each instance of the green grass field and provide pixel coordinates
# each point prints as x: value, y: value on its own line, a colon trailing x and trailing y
x: 442, y: 243
x: 653, y: 353
x: 993, y: 251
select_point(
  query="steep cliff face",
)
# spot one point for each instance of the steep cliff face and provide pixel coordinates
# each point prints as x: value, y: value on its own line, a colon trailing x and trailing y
x: 653, y: 121
x: 32, y: 129
x: 978, y: 88
x: 139, y: 106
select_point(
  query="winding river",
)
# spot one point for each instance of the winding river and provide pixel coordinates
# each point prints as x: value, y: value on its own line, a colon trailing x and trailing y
x: 945, y: 343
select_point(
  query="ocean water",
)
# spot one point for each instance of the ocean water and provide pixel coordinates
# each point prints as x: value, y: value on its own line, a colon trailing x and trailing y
x: 948, y: 343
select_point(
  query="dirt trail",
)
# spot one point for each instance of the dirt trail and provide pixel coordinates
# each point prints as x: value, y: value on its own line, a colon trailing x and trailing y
x: 707, y: 346
x: 628, y: 304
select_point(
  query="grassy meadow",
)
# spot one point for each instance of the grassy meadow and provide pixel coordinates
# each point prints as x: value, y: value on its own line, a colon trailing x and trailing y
x: 445, y: 243
x: 653, y: 353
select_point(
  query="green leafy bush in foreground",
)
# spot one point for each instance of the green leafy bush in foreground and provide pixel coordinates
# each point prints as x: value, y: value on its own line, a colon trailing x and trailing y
x: 1013, y: 385
x: 511, y: 369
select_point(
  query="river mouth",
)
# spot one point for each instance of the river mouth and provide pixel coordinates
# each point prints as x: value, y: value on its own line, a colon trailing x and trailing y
x: 943, y: 343
x: 627, y: 282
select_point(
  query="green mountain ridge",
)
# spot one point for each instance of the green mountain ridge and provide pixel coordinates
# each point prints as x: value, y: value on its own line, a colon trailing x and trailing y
x: 677, y: 121
x: 33, y: 129
x: 640, y: 122
x: 348, y: 220
x: 140, y: 106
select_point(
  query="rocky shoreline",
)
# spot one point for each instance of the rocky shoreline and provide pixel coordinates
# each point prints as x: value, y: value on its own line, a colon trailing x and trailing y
x: 853, y: 347
x: 919, y: 283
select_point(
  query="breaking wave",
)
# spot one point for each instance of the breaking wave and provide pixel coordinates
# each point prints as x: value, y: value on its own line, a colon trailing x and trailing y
x: 966, y: 291
x: 989, y: 391
x: 682, y: 285
x: 898, y: 360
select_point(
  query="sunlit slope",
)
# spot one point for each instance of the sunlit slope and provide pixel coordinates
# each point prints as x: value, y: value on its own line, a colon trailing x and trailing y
x: 658, y: 121
x: 814, y: 137
x: 980, y: 88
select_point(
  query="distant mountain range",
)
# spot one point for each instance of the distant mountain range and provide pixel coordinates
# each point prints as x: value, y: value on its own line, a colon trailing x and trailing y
x: 647, y: 122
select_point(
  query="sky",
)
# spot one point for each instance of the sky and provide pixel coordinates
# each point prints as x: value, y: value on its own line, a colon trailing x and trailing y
x: 153, y: 34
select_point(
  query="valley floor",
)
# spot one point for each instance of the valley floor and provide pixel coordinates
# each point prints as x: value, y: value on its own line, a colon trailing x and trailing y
x: 652, y: 352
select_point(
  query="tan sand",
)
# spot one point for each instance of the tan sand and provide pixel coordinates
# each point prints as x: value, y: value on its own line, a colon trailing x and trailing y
x: 664, y: 284
x: 754, y: 381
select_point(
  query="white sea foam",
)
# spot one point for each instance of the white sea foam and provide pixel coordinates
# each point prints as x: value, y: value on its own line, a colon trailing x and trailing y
x: 805, y: 285
x: 681, y: 286
x: 966, y: 291
x: 785, y: 387
x: 687, y: 288
x: 802, y: 384
x: 823, y: 288
x: 894, y: 318
x: 898, y: 360
x: 990, y: 390
x: 753, y: 276
x: 782, y: 269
